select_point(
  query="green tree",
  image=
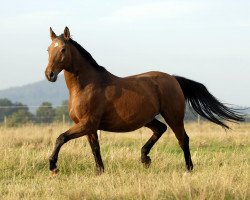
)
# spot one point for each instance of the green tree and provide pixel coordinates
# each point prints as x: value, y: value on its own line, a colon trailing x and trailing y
x: 22, y: 116
x: 6, y: 108
x: 45, y: 113
x: 62, y: 111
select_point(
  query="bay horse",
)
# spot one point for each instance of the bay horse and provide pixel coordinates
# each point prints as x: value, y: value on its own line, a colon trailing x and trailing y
x: 100, y: 100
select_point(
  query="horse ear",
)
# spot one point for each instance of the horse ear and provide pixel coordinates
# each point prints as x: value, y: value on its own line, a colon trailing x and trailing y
x: 66, y: 34
x: 52, y: 34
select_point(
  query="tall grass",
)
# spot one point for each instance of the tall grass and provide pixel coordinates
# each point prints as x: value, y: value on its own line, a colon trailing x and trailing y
x: 221, y: 165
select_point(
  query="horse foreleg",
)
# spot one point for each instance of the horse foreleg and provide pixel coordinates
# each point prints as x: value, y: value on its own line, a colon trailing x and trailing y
x: 94, y: 144
x: 158, y: 129
x: 78, y: 130
x: 54, y: 156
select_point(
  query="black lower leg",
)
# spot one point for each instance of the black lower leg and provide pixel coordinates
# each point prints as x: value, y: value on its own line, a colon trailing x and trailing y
x: 187, y: 155
x: 158, y: 129
x: 95, y: 147
x: 53, y: 158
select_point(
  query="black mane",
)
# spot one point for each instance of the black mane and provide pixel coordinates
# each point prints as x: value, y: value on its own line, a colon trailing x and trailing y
x: 84, y: 53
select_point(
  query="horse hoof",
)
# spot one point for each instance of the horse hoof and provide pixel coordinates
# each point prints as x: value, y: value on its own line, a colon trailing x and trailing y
x: 189, y: 168
x: 99, y: 172
x: 54, y: 172
x: 147, y: 162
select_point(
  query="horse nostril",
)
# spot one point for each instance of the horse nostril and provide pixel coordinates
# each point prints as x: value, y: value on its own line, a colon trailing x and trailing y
x: 51, y: 75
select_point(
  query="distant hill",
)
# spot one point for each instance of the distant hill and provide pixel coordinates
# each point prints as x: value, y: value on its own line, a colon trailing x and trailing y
x: 36, y: 93
x: 246, y: 111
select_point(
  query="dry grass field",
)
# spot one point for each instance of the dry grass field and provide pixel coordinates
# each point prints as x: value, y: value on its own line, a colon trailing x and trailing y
x: 221, y: 165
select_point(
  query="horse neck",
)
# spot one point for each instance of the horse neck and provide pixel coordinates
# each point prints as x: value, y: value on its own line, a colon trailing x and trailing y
x: 81, y: 73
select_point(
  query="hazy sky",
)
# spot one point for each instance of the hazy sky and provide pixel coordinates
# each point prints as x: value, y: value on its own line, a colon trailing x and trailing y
x: 208, y: 41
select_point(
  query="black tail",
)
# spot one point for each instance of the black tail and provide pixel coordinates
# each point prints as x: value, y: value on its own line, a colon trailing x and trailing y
x: 206, y: 105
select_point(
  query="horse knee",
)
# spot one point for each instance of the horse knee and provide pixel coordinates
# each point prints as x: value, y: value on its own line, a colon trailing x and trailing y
x: 62, y: 139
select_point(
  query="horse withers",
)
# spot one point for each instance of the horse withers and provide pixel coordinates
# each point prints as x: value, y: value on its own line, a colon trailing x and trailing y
x: 99, y: 100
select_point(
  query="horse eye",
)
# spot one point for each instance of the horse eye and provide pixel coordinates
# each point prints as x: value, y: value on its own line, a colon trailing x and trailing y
x: 63, y: 50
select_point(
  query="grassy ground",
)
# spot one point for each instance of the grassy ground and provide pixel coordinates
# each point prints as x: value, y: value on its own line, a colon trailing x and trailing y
x: 221, y: 165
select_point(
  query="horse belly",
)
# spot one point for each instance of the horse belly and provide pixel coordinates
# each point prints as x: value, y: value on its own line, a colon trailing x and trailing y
x: 119, y: 125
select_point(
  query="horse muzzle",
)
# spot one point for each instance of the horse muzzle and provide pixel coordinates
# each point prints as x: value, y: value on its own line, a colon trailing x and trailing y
x: 51, y: 75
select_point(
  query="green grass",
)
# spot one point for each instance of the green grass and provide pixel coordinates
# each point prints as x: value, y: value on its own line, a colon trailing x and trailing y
x: 221, y: 165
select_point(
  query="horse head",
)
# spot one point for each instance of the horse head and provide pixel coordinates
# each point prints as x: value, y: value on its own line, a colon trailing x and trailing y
x: 59, y: 54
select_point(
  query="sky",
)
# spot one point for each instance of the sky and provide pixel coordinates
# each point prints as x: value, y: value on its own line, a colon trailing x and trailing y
x: 207, y: 41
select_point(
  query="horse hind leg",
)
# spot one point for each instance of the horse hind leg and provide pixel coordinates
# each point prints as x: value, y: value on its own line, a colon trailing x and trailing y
x: 158, y: 129
x: 183, y: 139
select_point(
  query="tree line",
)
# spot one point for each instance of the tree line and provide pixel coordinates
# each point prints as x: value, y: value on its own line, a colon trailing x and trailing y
x: 13, y: 114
